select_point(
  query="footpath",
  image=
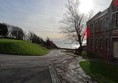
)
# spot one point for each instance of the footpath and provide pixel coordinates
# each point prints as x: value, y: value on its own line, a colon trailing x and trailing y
x: 68, y: 70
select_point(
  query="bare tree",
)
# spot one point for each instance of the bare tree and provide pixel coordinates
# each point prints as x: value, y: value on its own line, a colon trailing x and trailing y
x: 74, y: 23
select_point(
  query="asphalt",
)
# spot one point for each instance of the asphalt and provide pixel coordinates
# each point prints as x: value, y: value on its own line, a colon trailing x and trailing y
x: 26, y: 69
x: 36, y: 69
x: 25, y: 75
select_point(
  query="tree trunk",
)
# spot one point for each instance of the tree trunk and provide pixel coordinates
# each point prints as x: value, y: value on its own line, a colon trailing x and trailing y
x: 80, y: 49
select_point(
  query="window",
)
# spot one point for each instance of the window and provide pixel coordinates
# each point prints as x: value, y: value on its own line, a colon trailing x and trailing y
x: 96, y: 26
x: 101, y: 43
x: 114, y: 20
x: 107, y: 44
x: 88, y: 42
x: 96, y: 42
x: 91, y: 28
x: 91, y: 42
x: 107, y: 22
x: 117, y: 20
x: 101, y: 24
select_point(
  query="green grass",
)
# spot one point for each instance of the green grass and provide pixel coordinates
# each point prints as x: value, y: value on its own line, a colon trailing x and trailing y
x: 20, y: 47
x: 101, y: 71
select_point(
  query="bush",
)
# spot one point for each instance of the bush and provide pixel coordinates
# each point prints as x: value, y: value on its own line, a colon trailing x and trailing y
x: 84, y: 54
x: 93, y: 56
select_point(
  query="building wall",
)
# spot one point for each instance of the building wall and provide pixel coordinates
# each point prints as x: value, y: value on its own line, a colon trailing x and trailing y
x: 104, y: 33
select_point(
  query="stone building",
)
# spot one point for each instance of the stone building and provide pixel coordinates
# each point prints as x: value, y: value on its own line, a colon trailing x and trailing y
x: 103, y: 27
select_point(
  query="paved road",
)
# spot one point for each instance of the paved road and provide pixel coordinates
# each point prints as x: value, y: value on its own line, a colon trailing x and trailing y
x: 27, y: 69
x: 34, y: 69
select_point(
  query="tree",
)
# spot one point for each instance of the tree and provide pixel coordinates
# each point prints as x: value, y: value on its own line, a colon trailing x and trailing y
x: 74, y: 23
x: 34, y: 38
x: 50, y: 44
x: 3, y: 29
x: 17, y: 33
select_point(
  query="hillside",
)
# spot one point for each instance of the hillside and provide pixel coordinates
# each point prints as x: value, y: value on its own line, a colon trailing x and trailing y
x: 20, y: 47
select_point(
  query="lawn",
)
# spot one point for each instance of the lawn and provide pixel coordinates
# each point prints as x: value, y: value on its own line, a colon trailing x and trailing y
x: 20, y: 47
x: 101, y: 71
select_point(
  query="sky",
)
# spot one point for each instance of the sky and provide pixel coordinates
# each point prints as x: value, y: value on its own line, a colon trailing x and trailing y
x: 42, y: 16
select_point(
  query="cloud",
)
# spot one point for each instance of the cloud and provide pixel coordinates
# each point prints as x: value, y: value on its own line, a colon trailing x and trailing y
x: 100, y: 5
x: 39, y: 16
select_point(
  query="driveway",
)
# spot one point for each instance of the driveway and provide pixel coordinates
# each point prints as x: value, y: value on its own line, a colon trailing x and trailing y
x: 27, y: 69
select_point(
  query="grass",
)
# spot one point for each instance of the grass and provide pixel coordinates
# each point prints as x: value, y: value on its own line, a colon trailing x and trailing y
x: 20, y: 47
x: 101, y: 71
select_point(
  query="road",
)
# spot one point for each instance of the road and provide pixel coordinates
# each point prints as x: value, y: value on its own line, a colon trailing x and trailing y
x: 27, y: 69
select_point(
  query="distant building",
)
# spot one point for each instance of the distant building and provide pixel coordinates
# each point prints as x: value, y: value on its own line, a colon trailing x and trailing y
x: 103, y: 39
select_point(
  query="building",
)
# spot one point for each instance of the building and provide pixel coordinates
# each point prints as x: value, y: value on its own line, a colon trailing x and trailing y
x: 103, y: 39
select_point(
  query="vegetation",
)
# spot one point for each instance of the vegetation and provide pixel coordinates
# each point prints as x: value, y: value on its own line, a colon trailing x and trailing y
x: 21, y: 47
x: 74, y: 23
x: 3, y: 29
x: 84, y: 54
x: 49, y: 44
x: 15, y: 32
x: 35, y: 39
x: 14, y: 40
x: 102, y: 72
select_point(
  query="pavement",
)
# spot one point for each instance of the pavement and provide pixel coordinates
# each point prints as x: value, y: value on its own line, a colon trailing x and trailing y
x: 41, y: 69
x: 69, y: 70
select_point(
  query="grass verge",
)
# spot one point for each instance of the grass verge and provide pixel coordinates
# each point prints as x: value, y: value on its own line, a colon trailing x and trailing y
x: 101, y: 71
x: 20, y: 47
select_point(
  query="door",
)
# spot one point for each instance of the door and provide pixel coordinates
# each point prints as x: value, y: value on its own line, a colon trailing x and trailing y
x: 115, y: 49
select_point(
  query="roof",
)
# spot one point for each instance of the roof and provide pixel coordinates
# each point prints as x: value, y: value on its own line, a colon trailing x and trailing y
x: 99, y: 14
x: 102, y: 13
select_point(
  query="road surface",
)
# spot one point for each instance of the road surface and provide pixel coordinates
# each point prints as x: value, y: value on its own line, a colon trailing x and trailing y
x: 27, y: 69
x: 35, y: 69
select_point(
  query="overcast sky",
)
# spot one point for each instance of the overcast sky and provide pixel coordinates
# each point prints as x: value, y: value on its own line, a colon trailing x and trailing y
x: 42, y: 16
